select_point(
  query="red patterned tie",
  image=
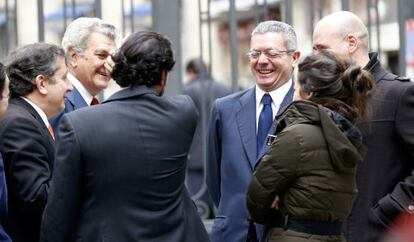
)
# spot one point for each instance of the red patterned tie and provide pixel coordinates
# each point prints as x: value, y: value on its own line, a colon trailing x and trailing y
x: 94, y: 101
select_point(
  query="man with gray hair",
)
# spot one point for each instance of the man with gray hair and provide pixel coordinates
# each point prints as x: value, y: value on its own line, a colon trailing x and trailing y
x: 239, y: 124
x: 87, y: 43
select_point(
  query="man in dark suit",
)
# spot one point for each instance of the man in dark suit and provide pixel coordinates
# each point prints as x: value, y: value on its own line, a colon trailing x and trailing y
x: 38, y: 86
x: 203, y: 90
x: 4, y: 101
x: 87, y: 42
x: 236, y: 134
x: 386, y: 177
x: 120, y: 167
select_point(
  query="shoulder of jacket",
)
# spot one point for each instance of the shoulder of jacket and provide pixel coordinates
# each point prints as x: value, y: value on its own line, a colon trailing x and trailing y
x: 403, y: 78
x: 392, y: 77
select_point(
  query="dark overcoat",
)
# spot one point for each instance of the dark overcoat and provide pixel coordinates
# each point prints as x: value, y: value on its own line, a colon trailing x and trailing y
x: 385, y: 179
x: 120, y: 169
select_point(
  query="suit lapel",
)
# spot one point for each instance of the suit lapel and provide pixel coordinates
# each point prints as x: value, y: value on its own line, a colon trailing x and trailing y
x: 246, y: 121
x: 76, y: 99
x: 287, y: 99
x: 25, y: 105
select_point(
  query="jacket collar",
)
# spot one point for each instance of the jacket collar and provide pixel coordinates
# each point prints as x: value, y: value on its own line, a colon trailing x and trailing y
x: 22, y: 103
x: 130, y: 92
x: 246, y: 121
x: 76, y: 99
x: 374, y: 67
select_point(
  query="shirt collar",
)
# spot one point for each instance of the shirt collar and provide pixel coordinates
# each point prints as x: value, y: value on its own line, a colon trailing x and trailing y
x: 38, y: 110
x: 81, y: 89
x: 277, y: 95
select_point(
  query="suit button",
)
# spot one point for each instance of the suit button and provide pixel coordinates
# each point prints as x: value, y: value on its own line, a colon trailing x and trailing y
x: 411, y: 208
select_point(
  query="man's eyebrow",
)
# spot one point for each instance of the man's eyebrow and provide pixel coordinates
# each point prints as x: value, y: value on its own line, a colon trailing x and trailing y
x: 318, y: 46
x: 101, y: 51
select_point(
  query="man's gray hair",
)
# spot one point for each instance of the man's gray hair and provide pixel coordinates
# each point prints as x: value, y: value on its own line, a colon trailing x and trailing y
x: 77, y: 33
x: 278, y: 27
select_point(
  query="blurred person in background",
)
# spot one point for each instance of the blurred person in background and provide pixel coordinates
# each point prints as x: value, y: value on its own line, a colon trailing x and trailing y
x: 38, y: 88
x: 385, y: 179
x: 304, y: 186
x: 120, y: 167
x: 203, y: 90
x: 87, y: 43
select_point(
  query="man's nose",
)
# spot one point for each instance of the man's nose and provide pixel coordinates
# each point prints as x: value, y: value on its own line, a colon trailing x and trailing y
x: 263, y: 58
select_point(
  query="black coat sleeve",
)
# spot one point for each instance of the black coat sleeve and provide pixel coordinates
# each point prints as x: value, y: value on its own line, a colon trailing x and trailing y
x: 26, y: 152
x: 401, y: 199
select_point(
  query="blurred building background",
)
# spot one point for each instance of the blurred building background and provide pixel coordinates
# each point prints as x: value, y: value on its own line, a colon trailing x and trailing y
x: 218, y: 31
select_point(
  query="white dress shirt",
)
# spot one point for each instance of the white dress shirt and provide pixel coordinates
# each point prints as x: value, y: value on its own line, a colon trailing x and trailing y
x: 277, y: 98
x: 81, y: 89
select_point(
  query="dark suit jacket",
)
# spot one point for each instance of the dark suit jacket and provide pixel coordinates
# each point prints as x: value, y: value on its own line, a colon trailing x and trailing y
x: 3, y: 203
x: 385, y: 178
x: 231, y: 159
x: 28, y: 152
x: 203, y: 92
x: 120, y: 169
x: 73, y: 101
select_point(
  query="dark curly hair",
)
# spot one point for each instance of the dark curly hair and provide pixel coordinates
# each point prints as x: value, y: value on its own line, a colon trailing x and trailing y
x: 142, y: 58
x: 2, y: 80
x: 27, y: 62
x: 337, y: 84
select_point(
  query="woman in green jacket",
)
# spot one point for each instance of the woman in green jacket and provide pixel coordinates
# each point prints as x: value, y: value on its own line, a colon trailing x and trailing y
x: 304, y: 185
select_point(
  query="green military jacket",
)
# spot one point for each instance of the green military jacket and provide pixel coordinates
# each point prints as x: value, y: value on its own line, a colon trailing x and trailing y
x: 311, y: 165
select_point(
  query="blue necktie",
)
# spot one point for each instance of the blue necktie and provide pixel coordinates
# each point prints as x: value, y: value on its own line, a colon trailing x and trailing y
x: 265, y: 121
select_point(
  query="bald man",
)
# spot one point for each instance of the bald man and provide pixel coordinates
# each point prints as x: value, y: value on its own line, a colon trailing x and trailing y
x: 385, y: 179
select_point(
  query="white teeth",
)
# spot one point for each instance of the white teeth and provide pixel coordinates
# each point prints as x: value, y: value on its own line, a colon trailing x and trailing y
x: 264, y: 71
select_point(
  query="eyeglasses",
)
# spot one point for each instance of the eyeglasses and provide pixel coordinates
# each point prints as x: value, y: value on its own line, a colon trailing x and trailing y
x: 269, y: 53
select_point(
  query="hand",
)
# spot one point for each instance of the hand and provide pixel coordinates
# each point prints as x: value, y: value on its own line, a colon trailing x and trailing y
x: 109, y: 64
x: 275, y: 203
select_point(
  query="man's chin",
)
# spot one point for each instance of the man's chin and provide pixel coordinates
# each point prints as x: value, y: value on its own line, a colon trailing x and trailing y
x: 102, y: 84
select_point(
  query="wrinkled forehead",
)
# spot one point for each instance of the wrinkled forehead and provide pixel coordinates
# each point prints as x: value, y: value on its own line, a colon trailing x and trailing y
x: 268, y: 40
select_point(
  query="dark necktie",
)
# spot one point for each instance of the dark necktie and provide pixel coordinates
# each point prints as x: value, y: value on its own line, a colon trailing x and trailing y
x: 94, y: 101
x: 265, y: 121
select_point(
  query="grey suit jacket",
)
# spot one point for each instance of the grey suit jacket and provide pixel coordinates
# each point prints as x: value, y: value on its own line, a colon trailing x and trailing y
x: 120, y: 169
x: 231, y: 159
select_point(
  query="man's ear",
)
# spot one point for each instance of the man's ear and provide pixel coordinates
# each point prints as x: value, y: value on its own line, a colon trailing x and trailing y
x: 73, y: 57
x: 164, y: 76
x: 41, y: 82
x: 163, y: 81
x: 353, y: 42
x: 295, y: 56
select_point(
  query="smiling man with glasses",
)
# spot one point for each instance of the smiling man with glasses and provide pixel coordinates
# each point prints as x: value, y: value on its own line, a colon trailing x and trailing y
x: 269, y: 53
x: 239, y: 125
